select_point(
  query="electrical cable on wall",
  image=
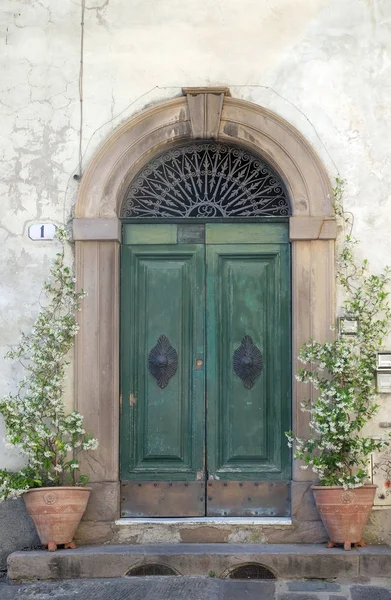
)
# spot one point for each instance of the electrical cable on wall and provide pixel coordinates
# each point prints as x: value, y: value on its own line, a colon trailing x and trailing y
x: 81, y: 73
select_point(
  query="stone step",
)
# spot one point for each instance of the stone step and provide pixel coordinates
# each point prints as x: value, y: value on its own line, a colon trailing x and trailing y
x: 285, y: 561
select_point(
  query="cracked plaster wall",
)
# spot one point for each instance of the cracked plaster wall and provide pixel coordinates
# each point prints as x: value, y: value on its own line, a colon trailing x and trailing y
x: 321, y: 64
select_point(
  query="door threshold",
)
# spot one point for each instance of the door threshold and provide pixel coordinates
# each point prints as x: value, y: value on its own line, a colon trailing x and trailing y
x: 272, y: 521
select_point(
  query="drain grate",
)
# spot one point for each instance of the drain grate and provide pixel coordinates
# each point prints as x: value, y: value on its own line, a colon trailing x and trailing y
x: 251, y: 571
x: 148, y: 570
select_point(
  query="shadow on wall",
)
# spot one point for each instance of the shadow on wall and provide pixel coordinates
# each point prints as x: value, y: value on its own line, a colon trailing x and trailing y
x: 16, y: 529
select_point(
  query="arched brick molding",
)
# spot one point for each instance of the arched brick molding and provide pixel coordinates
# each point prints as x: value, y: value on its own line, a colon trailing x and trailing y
x: 97, y: 233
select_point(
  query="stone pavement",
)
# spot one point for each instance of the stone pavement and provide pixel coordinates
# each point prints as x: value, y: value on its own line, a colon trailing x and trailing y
x: 195, y: 588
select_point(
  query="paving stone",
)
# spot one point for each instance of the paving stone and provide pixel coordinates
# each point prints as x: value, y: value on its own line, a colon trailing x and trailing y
x: 365, y: 592
x: 181, y: 588
x: 252, y: 590
x: 7, y: 592
x: 313, y: 586
x: 122, y: 589
x: 142, y: 588
x: 298, y: 596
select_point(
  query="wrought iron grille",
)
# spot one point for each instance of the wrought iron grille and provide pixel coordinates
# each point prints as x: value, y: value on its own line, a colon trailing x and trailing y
x: 148, y: 570
x: 251, y: 571
x: 206, y: 180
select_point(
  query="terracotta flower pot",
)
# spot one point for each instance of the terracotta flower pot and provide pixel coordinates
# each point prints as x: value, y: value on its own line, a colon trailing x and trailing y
x: 56, y: 513
x: 344, y: 512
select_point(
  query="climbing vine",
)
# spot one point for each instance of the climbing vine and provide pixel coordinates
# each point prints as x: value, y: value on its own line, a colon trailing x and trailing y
x: 36, y: 422
x: 342, y: 373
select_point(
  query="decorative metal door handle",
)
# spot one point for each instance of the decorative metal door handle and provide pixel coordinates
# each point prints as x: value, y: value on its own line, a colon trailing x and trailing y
x: 163, y: 361
x: 247, y: 362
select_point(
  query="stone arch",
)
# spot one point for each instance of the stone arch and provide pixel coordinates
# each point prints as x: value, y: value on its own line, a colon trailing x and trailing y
x: 201, y: 113
x: 165, y: 125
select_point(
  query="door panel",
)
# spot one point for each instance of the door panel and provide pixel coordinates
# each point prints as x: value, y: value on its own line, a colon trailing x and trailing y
x: 162, y: 436
x: 248, y: 295
x: 247, y: 233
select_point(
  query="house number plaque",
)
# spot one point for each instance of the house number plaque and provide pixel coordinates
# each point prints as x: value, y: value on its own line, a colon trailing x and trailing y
x: 42, y: 231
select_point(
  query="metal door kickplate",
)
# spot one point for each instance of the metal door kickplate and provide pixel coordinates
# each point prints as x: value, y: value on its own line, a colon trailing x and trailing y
x: 248, y: 498
x: 162, y: 499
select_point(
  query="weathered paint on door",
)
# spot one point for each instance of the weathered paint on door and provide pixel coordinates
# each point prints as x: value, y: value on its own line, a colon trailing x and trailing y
x: 210, y: 441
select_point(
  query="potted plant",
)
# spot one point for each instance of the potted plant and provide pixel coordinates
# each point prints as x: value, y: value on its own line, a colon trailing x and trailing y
x: 37, y: 423
x: 342, y: 374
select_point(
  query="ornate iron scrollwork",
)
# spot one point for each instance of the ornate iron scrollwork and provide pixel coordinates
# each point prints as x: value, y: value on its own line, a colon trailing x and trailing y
x: 247, y: 361
x: 163, y: 361
x: 206, y: 180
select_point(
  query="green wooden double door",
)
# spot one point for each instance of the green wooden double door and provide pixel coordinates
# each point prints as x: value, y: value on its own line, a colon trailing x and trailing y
x: 206, y: 370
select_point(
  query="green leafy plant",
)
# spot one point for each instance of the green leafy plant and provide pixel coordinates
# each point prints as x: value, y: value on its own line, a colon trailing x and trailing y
x: 36, y: 421
x: 342, y: 373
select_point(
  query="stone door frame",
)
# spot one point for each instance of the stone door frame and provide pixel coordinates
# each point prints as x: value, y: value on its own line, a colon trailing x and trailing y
x: 203, y: 113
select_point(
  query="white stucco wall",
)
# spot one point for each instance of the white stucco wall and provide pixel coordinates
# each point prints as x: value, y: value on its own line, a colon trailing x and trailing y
x: 323, y: 65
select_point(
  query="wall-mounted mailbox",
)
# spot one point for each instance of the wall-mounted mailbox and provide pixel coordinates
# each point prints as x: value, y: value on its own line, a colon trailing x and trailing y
x: 383, y: 382
x: 347, y: 325
x: 384, y: 360
x: 383, y: 375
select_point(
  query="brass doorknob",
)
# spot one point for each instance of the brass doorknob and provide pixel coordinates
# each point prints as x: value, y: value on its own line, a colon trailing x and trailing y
x: 199, y: 362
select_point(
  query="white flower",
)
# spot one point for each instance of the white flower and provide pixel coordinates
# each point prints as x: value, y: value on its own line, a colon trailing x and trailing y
x: 92, y: 444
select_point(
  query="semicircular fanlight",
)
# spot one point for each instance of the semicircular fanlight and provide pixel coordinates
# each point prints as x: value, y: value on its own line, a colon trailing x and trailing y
x: 206, y: 180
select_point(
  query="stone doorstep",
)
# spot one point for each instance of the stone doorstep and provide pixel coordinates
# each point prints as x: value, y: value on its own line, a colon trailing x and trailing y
x: 286, y: 561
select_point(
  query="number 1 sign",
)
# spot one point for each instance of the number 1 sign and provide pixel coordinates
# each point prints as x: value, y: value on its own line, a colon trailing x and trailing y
x: 42, y: 231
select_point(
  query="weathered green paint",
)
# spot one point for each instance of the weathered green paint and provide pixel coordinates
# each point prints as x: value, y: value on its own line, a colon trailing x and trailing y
x: 246, y: 233
x: 162, y: 429
x: 248, y: 294
x: 240, y: 280
x: 164, y: 233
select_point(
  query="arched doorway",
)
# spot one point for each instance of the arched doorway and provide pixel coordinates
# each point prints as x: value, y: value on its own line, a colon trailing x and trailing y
x: 205, y: 336
x: 206, y: 114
